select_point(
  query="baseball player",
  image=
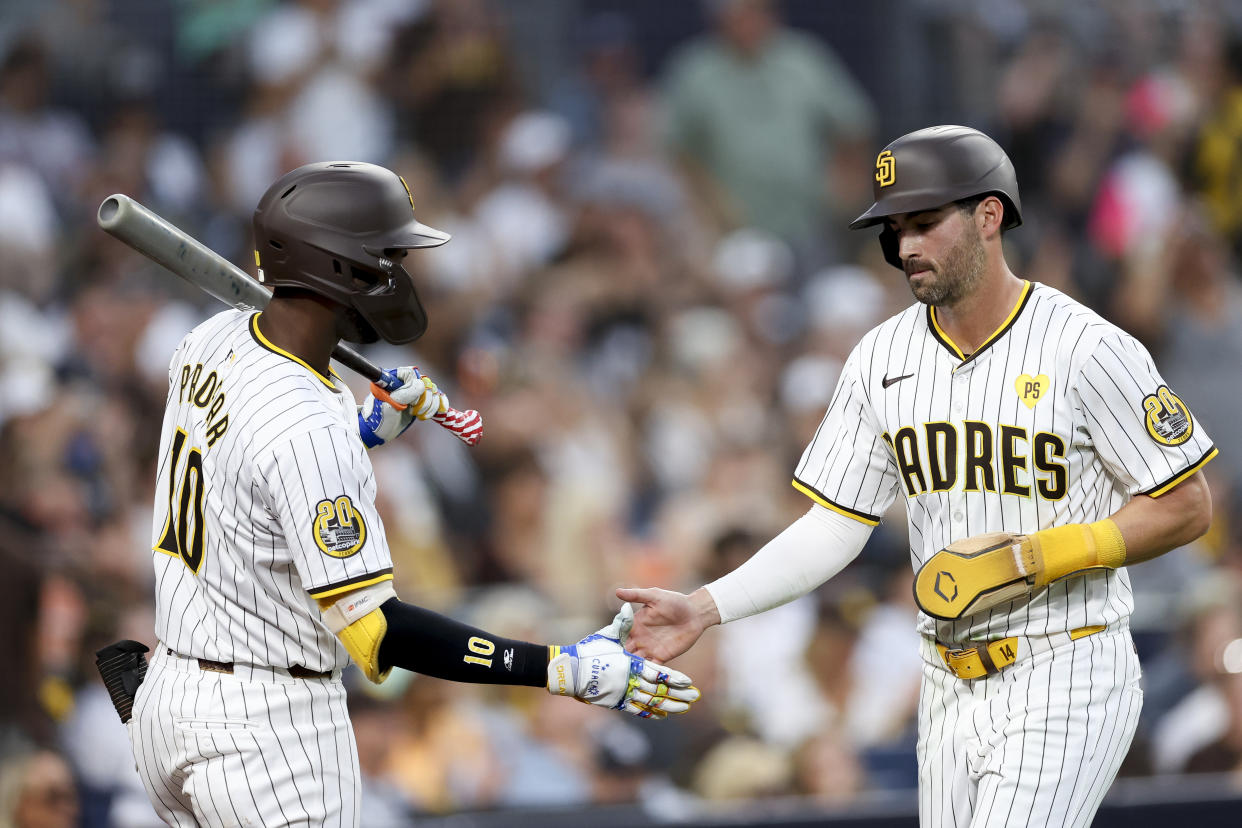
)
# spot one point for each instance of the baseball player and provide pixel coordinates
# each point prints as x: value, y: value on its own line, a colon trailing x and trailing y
x: 272, y: 569
x: 1038, y: 452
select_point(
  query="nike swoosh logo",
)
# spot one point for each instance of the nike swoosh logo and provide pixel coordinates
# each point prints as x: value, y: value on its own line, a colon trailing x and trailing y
x: 886, y: 382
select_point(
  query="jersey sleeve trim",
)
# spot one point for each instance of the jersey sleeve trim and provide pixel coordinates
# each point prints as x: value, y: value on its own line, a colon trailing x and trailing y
x: 351, y: 584
x: 263, y: 341
x: 1162, y: 488
x: 862, y: 517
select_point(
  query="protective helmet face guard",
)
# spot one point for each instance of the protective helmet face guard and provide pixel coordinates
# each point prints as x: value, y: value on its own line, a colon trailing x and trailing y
x: 933, y: 167
x: 393, y: 309
x: 331, y: 229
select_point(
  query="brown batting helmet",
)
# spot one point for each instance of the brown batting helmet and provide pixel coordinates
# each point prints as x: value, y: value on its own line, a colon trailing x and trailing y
x: 932, y: 167
x: 333, y: 228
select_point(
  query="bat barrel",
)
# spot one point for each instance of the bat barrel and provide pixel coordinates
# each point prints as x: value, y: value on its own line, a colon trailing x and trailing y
x: 110, y: 210
x: 165, y: 244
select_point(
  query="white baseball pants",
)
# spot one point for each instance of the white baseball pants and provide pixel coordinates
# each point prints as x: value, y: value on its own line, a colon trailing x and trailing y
x: 256, y: 747
x: 1037, y: 744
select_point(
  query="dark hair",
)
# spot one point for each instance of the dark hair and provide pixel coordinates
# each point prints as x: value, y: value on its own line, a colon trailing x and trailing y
x: 968, y: 204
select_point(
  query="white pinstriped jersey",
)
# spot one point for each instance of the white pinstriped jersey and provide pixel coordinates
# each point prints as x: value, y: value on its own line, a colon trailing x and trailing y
x: 265, y: 500
x: 1059, y: 417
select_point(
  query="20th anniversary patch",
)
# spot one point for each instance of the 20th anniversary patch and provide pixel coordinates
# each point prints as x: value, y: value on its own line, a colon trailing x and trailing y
x: 339, y: 528
x: 1168, y: 419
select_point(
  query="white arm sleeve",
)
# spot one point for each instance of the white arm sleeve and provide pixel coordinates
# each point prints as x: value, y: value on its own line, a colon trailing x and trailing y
x: 811, y: 550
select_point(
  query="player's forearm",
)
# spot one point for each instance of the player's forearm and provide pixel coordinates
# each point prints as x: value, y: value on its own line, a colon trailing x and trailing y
x: 426, y: 642
x: 1153, y: 526
x: 1143, y: 529
x: 808, y: 552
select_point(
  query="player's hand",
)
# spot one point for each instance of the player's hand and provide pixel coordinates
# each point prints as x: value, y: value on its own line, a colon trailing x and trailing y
x: 379, y: 421
x: 598, y: 670
x: 667, y: 623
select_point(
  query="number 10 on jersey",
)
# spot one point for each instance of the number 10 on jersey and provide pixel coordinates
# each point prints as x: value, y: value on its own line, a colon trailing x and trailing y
x: 183, y: 528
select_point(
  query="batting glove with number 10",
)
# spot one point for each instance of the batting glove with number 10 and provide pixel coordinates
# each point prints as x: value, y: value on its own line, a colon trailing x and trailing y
x: 599, y: 670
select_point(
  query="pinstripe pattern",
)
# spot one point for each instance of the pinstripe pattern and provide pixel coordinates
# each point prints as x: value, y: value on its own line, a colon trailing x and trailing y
x: 287, y: 491
x: 215, y: 749
x: 1044, y: 425
x: 1098, y: 377
x: 291, y: 443
x: 1036, y: 744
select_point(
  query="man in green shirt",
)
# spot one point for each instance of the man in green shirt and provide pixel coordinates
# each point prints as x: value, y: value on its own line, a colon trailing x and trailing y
x: 758, y: 112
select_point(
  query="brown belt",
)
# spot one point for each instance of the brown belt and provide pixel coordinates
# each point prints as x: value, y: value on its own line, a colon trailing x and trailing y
x: 295, y: 670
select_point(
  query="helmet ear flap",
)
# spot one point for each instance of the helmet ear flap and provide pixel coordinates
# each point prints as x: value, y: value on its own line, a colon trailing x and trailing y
x: 352, y: 327
x: 888, y: 244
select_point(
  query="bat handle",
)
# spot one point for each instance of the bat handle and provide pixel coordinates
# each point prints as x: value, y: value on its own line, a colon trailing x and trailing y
x: 466, y: 426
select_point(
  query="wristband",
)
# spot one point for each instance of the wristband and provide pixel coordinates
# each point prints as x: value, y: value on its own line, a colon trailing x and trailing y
x: 1064, y: 550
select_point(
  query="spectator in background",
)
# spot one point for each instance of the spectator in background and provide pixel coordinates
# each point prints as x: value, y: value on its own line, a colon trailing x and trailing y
x: 607, y: 75
x: 524, y: 216
x: 384, y: 805
x: 22, y: 721
x: 827, y: 767
x: 766, y: 113
x: 312, y: 97
x: 1207, y: 713
x: 1182, y: 295
x: 1224, y: 755
x: 142, y: 158
x: 1218, y: 154
x: 453, y: 82
x: 880, y: 708
x: 780, y: 713
x: 741, y: 768
x: 53, y: 142
x: 37, y: 791
x: 93, y: 737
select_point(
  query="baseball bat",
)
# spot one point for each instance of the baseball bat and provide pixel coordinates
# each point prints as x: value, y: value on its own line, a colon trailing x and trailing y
x: 183, y: 255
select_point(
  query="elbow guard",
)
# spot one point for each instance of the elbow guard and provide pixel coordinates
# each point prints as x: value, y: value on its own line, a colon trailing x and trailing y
x: 358, y: 621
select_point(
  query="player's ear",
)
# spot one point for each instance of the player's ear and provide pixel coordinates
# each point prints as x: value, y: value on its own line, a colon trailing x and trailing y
x: 989, y: 216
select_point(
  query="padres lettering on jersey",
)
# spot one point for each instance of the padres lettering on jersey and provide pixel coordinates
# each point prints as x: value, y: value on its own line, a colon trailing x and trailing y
x: 265, y: 500
x: 1059, y: 417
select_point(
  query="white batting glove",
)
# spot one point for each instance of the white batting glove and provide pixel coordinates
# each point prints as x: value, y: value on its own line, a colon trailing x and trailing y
x: 379, y: 421
x: 598, y: 670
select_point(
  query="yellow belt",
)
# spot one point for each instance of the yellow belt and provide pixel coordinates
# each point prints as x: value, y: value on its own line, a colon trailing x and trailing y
x: 989, y: 658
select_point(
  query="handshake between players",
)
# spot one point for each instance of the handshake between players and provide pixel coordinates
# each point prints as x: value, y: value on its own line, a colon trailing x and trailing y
x: 596, y: 670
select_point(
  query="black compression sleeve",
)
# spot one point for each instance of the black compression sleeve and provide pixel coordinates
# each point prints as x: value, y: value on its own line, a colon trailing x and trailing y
x: 434, y: 645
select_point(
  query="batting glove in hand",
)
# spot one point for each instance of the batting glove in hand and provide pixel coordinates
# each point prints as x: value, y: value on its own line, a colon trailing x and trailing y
x: 379, y: 422
x: 599, y: 670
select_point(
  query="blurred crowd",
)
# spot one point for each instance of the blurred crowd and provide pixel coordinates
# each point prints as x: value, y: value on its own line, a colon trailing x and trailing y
x: 648, y: 295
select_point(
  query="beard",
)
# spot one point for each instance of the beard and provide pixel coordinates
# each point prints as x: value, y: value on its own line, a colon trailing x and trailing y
x: 955, y: 277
